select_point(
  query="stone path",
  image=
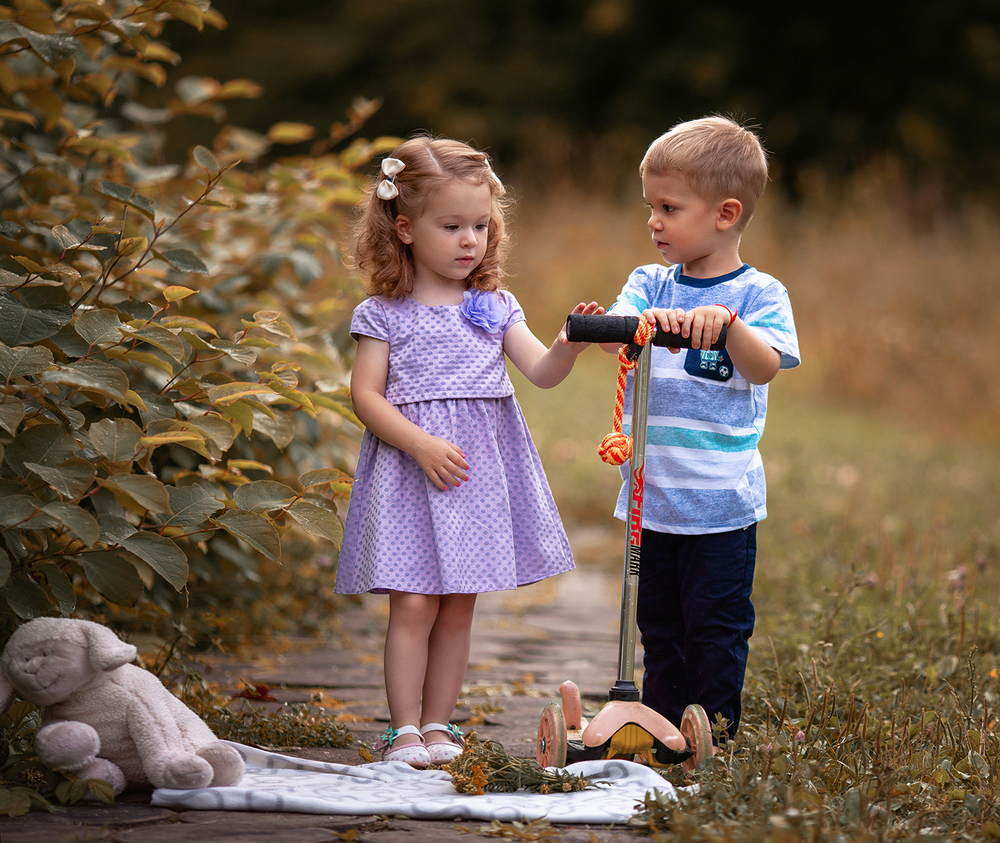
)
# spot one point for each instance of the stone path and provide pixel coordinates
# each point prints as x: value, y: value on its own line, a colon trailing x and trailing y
x: 525, y: 644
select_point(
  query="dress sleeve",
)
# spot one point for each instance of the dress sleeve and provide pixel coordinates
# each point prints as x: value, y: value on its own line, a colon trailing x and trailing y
x: 370, y: 320
x: 514, y: 311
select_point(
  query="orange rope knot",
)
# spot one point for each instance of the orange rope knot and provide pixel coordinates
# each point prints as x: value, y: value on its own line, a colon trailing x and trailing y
x: 616, y: 447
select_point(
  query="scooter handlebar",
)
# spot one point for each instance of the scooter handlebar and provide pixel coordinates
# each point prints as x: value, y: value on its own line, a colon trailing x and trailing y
x: 621, y: 329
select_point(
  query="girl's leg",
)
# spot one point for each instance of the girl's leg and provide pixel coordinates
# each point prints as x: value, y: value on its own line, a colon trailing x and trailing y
x: 447, y: 660
x: 411, y: 619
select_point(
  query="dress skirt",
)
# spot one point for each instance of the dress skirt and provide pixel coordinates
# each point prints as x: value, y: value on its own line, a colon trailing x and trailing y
x: 498, y: 530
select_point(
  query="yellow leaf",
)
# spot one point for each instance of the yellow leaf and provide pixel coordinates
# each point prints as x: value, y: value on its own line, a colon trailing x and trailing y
x: 240, y: 88
x: 291, y: 132
x: 176, y: 292
x: 132, y: 245
x: 18, y: 116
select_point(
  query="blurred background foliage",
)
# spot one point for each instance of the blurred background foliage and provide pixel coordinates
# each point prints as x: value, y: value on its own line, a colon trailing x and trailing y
x: 832, y: 86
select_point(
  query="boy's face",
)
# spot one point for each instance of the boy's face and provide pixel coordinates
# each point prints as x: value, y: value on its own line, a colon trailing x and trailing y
x: 684, y: 226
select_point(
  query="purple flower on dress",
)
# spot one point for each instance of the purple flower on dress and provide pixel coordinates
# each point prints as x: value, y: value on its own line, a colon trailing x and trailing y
x: 484, y: 310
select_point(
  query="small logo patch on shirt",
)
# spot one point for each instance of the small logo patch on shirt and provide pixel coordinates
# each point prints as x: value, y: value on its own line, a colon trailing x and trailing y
x: 713, y: 365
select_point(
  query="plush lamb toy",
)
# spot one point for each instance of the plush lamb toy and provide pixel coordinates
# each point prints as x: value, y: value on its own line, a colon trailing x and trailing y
x: 106, y: 718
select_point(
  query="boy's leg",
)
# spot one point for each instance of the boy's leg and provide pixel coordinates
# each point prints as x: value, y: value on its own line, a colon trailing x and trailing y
x: 660, y: 619
x: 716, y: 579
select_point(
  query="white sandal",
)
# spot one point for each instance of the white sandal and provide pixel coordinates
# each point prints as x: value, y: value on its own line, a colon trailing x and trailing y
x: 414, y: 754
x: 444, y: 752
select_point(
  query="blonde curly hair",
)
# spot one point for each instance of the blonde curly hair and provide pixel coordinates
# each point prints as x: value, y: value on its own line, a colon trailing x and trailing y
x: 382, y: 259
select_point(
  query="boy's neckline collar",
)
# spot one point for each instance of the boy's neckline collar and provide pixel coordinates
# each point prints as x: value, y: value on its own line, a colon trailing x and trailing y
x: 691, y: 281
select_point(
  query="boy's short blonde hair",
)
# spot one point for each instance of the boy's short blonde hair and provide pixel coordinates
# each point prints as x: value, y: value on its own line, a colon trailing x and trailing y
x: 719, y: 157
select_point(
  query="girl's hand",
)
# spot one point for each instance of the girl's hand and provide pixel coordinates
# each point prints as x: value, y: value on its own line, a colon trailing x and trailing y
x: 442, y: 461
x: 592, y: 309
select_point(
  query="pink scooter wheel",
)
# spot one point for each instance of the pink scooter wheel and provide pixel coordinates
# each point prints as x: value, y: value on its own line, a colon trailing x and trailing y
x: 698, y: 732
x: 550, y: 750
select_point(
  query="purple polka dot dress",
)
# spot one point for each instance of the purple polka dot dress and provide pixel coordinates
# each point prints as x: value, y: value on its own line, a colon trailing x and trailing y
x: 498, y: 530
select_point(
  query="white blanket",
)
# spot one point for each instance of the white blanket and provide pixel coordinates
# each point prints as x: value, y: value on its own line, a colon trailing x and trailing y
x: 276, y: 782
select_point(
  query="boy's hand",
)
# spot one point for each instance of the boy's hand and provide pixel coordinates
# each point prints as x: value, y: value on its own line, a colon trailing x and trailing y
x: 702, y: 324
x: 592, y: 309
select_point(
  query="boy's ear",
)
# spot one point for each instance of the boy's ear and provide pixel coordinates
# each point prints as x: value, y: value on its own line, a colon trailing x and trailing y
x: 404, y: 229
x: 730, y: 211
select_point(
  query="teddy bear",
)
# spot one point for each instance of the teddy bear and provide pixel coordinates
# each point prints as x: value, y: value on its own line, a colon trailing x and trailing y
x: 106, y: 718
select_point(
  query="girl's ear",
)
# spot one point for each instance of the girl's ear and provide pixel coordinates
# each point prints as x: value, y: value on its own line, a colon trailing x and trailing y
x: 404, y: 229
x: 730, y: 211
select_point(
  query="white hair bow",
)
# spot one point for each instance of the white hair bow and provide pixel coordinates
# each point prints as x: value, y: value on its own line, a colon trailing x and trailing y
x: 387, y: 187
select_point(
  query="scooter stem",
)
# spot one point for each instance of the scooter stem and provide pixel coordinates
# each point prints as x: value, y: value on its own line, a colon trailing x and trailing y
x: 625, y: 688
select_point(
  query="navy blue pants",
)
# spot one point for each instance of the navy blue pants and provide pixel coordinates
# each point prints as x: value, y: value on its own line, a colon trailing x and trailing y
x: 695, y: 619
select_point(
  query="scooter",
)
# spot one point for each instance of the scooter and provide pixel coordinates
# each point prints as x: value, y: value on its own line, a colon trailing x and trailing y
x: 624, y: 727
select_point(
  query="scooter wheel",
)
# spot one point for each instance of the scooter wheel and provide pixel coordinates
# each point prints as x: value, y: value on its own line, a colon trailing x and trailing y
x: 698, y: 731
x: 550, y: 749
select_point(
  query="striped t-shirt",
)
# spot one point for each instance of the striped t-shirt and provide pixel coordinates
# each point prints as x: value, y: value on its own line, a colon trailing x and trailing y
x: 703, y: 471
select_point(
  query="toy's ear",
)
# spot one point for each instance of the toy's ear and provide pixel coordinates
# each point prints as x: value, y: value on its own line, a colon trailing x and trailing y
x: 105, y: 650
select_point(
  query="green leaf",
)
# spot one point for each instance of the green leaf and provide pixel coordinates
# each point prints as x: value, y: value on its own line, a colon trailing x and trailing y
x: 78, y: 521
x: 22, y: 361
x: 24, y: 511
x: 146, y: 491
x: 4, y: 570
x: 191, y: 505
x: 113, y: 574
x: 204, y: 158
x: 239, y: 353
x: 127, y: 196
x: 59, y: 585
x: 161, y: 554
x: 321, y: 476
x: 116, y: 439
x: 70, y: 480
x: 52, y: 48
x: 11, y: 413
x: 183, y: 260
x: 216, y: 428
x: 22, y: 325
x: 45, y: 444
x: 90, y: 375
x: 254, y: 529
x: 26, y: 599
x: 99, y: 327
x: 162, y: 339
x: 317, y: 521
x: 263, y: 496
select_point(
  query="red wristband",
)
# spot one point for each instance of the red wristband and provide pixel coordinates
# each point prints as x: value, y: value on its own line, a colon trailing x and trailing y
x: 732, y: 313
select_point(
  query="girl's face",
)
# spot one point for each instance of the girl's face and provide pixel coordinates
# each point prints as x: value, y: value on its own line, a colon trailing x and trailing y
x: 448, y: 240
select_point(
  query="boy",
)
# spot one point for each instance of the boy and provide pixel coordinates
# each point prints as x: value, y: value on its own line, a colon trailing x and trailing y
x: 704, y: 480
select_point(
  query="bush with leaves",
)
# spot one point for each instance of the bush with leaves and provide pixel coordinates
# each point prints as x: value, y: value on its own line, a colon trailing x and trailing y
x: 172, y: 335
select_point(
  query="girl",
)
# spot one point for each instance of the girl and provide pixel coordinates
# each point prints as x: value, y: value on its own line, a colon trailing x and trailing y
x: 450, y: 498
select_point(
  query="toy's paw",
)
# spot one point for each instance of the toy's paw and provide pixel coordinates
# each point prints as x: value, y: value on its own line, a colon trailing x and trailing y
x: 105, y: 771
x: 227, y: 763
x: 186, y: 772
x: 67, y: 745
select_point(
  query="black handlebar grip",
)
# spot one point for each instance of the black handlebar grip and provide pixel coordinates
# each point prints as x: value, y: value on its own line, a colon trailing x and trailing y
x: 621, y: 329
